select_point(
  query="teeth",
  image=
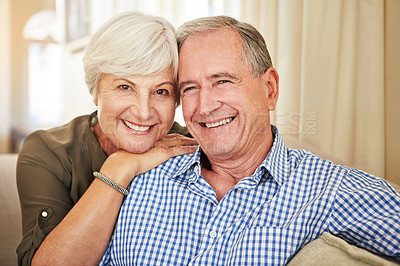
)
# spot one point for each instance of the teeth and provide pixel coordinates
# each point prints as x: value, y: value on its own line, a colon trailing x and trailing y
x: 219, y: 123
x: 134, y: 127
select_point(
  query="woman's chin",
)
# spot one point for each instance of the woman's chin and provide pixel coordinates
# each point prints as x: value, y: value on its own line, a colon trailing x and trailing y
x: 138, y: 147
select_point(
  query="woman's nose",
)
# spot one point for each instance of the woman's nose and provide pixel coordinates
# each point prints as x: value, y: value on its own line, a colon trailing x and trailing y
x: 143, y: 108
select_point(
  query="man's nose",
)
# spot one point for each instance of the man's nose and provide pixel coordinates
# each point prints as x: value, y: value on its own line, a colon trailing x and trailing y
x: 208, y: 101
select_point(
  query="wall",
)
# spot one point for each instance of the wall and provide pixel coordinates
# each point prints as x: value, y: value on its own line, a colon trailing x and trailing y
x: 4, y: 75
x: 20, y: 12
x: 392, y: 80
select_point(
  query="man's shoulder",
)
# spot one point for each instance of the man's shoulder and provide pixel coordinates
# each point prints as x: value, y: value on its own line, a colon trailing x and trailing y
x: 347, y: 178
x: 175, y: 166
x: 305, y: 159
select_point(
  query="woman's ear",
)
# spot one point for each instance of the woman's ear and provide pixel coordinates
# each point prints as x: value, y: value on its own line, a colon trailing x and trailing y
x: 95, y: 98
x: 271, y: 80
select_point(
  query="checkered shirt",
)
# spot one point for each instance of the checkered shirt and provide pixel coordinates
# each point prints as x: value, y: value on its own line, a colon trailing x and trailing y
x: 172, y: 216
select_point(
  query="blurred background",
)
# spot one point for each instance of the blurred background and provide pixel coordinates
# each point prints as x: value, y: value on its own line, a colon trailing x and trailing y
x: 338, y: 60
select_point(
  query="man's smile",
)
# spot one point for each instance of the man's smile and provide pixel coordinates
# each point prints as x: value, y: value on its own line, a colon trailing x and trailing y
x: 218, y: 123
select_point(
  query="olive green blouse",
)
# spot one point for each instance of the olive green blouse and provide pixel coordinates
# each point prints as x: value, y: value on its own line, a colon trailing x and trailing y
x: 54, y: 169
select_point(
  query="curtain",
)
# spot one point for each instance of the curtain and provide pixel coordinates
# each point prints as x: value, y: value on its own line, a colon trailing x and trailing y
x: 330, y: 57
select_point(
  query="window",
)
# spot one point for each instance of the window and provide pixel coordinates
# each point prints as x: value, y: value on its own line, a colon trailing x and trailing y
x: 45, y: 101
x: 45, y: 57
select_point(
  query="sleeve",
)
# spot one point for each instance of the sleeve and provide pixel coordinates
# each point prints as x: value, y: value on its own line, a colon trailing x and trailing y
x: 366, y: 213
x: 44, y: 197
x: 177, y: 128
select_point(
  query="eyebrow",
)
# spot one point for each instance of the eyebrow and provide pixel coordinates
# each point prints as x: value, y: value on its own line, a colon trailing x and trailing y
x: 166, y: 83
x: 134, y: 84
x: 184, y: 83
x: 214, y: 76
x: 224, y: 74
x: 124, y: 79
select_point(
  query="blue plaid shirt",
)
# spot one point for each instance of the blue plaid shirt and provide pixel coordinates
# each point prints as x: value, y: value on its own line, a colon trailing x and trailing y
x: 172, y: 216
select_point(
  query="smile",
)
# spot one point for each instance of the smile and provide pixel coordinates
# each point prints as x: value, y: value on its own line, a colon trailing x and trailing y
x: 135, y: 127
x: 219, y: 123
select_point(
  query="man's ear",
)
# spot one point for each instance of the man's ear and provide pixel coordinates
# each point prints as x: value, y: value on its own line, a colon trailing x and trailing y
x: 271, y: 80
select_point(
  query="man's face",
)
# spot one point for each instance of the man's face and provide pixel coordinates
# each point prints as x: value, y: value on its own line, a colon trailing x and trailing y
x: 224, y: 107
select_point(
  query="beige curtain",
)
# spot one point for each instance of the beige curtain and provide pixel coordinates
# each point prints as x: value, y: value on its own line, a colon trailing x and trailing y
x: 330, y: 56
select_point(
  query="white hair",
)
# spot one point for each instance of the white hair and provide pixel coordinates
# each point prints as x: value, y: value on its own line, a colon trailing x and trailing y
x: 131, y: 43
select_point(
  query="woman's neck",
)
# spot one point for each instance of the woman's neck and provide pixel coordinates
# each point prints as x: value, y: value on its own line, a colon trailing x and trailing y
x: 105, y: 143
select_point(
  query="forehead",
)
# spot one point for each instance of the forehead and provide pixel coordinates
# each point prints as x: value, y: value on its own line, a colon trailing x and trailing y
x: 220, y: 38
x: 166, y: 74
x: 211, y: 51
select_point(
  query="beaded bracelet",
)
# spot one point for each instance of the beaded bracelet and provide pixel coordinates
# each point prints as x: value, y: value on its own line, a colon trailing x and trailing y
x: 111, y: 183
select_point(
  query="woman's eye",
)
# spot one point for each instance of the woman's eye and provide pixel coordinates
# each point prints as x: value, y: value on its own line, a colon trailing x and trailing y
x: 162, y: 92
x: 124, y: 87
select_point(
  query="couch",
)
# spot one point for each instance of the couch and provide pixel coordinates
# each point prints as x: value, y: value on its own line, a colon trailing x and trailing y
x: 10, y: 217
x: 326, y: 250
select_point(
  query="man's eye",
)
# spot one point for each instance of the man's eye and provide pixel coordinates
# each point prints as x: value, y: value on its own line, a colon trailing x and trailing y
x: 223, y: 81
x: 187, y: 89
x: 124, y: 87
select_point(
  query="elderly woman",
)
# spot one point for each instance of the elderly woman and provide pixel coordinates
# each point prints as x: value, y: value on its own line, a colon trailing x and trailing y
x: 72, y: 179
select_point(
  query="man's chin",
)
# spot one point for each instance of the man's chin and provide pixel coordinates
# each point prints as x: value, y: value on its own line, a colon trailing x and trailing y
x: 216, y: 149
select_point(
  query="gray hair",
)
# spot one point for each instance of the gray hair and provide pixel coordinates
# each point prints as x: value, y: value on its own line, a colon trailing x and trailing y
x: 131, y: 43
x: 255, y: 53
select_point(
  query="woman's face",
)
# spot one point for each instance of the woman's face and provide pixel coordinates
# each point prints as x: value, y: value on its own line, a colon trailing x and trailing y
x: 136, y: 111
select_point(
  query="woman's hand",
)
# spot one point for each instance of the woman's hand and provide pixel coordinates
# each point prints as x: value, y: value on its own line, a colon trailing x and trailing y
x: 122, y: 166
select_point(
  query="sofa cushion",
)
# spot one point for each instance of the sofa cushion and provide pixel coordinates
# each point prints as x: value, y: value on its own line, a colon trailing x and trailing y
x: 10, y: 218
x: 331, y: 250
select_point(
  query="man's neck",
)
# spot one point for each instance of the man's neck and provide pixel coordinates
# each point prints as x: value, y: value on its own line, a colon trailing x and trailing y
x: 223, y: 175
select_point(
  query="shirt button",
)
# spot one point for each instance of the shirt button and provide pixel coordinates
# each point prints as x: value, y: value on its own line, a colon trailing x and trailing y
x: 213, y: 233
x: 44, y: 214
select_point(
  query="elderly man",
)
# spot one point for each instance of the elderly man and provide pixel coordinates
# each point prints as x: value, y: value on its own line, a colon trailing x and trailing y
x: 243, y: 197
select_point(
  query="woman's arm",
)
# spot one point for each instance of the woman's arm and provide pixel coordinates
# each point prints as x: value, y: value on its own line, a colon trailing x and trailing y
x: 83, y: 235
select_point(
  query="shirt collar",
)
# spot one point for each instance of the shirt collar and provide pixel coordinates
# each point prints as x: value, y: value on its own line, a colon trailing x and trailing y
x: 275, y: 164
x: 186, y: 163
